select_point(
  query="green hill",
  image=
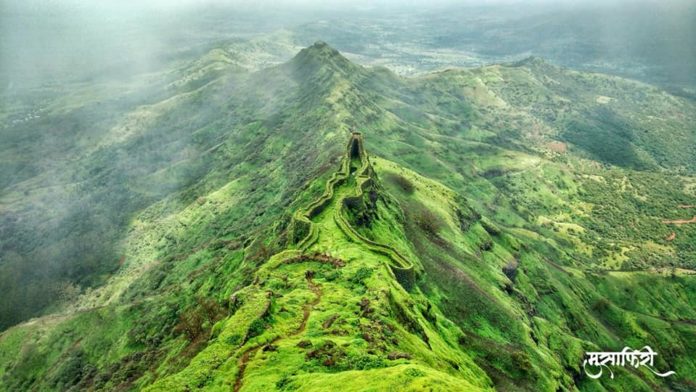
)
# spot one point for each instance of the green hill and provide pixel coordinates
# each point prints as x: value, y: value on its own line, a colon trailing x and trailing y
x: 483, y: 230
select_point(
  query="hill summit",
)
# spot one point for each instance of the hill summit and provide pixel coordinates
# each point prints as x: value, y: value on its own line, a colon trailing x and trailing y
x: 322, y: 59
x: 507, y: 220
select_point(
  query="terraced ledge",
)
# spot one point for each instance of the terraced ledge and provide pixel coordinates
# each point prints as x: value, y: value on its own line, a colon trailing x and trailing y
x: 303, y: 218
x: 284, y: 302
x: 402, y: 268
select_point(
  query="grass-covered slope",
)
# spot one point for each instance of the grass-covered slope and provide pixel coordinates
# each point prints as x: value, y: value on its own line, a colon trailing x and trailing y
x: 528, y: 311
x: 507, y: 219
x: 332, y: 313
x: 66, y: 209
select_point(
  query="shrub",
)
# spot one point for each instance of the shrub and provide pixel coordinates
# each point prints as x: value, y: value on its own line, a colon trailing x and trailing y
x: 233, y: 340
x: 328, y: 354
x: 361, y: 274
x: 486, y: 245
x: 510, y: 270
x: 285, y: 384
x: 366, y: 362
x: 332, y: 275
x: 402, y: 183
x: 414, y: 373
x: 427, y: 220
x: 198, y: 318
x: 256, y: 328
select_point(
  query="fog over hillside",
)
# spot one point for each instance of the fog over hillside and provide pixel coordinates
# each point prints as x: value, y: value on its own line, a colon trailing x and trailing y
x: 346, y: 195
x: 45, y: 41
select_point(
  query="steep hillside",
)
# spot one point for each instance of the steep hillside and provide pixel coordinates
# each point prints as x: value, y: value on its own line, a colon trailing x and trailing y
x: 506, y: 220
x: 334, y: 310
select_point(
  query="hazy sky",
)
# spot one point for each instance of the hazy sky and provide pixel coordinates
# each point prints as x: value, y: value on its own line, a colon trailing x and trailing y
x: 271, y: 4
x: 42, y: 39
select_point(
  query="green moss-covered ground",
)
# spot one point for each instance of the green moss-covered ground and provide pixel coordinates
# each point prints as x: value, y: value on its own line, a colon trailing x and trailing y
x: 488, y: 240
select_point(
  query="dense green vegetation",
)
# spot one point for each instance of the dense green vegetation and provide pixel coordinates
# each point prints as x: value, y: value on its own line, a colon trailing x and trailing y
x: 246, y: 249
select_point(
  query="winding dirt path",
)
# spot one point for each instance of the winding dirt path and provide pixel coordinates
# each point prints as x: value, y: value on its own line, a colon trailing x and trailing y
x: 680, y: 221
x: 243, y: 361
x: 306, y: 312
x: 309, y: 307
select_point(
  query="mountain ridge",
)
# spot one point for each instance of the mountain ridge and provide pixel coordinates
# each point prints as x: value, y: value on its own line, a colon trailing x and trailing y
x: 476, y: 184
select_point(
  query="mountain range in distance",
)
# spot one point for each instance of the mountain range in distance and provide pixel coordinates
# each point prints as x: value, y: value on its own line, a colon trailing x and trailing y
x: 319, y: 222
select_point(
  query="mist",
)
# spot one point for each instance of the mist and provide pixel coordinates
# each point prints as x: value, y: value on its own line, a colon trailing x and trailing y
x: 77, y: 76
x: 43, y: 41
